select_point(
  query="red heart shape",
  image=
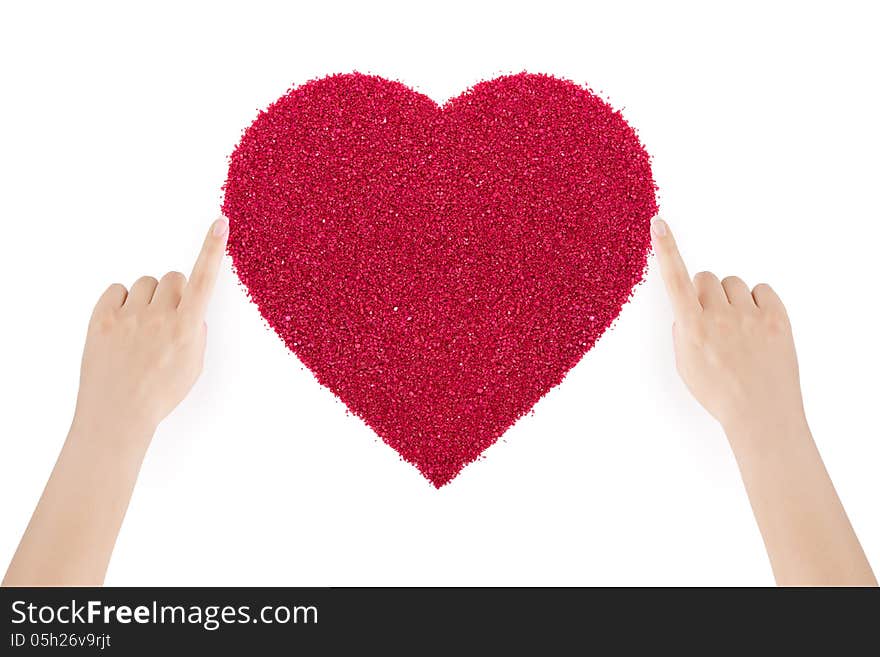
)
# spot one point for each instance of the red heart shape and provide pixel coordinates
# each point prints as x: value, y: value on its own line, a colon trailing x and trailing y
x: 439, y: 269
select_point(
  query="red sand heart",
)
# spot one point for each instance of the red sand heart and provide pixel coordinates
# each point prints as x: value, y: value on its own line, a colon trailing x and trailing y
x: 439, y: 269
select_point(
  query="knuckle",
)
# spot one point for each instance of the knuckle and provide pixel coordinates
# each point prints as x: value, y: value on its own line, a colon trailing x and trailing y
x: 750, y: 325
x: 770, y: 300
x: 146, y: 280
x: 166, y: 358
x: 154, y: 321
x: 776, y: 322
x: 103, y: 322
x: 699, y: 333
x: 732, y: 280
x: 127, y: 321
x: 174, y: 277
x: 115, y: 288
x: 749, y: 318
x: 723, y: 322
x: 182, y: 333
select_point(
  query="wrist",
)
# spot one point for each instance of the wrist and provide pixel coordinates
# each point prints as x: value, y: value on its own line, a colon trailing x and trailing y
x: 763, y: 434
x: 111, y: 435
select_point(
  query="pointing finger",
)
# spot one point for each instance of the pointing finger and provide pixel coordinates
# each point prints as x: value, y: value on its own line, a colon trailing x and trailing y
x: 675, y: 275
x: 198, y: 290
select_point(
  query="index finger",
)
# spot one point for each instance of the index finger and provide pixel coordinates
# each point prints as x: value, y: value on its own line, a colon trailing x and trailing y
x: 204, y: 274
x: 678, y: 282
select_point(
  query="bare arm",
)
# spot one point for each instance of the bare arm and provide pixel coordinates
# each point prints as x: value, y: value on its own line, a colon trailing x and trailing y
x: 735, y: 352
x: 143, y: 353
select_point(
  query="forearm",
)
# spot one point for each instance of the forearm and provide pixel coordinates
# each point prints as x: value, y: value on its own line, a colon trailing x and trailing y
x: 71, y: 535
x: 806, y: 532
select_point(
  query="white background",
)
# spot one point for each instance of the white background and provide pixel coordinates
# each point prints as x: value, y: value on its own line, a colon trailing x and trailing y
x: 116, y: 124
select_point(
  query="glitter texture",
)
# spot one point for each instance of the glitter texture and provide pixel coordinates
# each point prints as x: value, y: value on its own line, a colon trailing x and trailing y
x: 439, y: 268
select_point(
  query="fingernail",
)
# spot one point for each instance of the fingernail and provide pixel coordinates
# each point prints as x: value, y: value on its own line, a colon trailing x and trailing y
x: 221, y: 227
x: 658, y: 227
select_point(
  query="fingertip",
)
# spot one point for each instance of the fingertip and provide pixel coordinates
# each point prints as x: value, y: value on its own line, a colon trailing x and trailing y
x: 220, y: 227
x: 659, y: 228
